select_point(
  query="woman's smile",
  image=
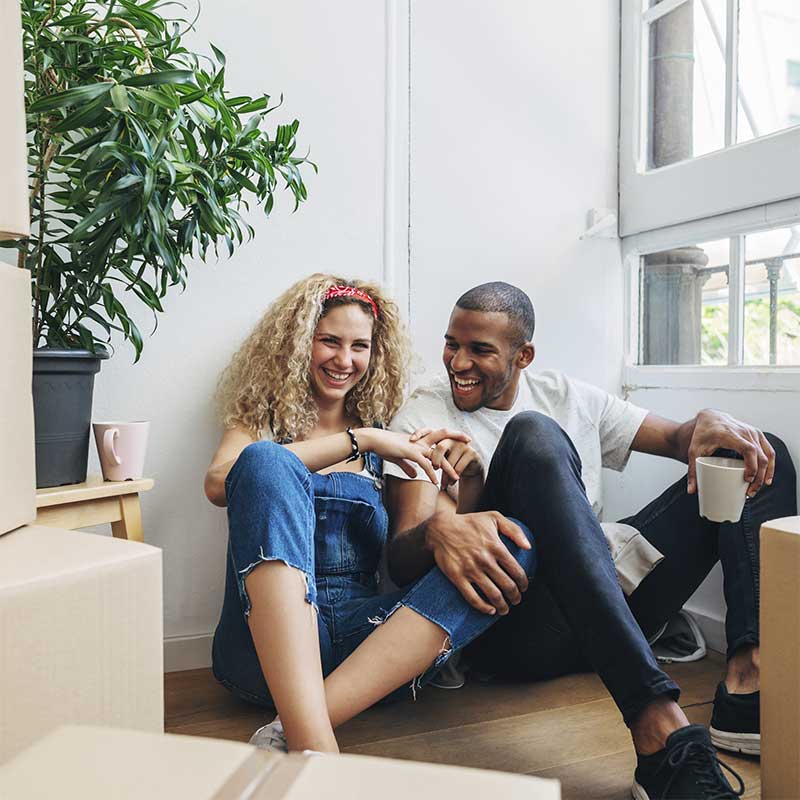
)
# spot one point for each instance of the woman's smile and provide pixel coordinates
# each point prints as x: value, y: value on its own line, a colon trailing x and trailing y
x: 335, y: 377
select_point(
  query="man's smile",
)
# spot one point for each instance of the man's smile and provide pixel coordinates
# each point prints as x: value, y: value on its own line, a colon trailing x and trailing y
x: 464, y: 386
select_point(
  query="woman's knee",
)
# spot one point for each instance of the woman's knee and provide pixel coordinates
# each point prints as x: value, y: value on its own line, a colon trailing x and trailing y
x: 264, y: 464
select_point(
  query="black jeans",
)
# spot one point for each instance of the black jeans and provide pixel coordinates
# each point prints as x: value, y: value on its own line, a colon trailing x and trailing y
x: 574, y: 616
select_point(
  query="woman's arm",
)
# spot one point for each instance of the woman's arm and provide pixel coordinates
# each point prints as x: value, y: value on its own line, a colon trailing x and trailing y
x: 234, y: 440
x: 316, y: 454
x: 326, y: 451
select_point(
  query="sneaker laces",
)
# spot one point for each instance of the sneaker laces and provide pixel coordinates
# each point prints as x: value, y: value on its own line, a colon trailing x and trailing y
x: 705, y: 765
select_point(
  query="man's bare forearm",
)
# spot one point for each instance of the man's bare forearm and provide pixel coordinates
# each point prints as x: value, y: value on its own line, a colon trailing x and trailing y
x: 409, y: 557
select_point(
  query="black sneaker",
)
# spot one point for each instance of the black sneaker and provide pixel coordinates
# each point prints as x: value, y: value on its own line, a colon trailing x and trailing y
x: 735, y: 722
x: 686, y: 769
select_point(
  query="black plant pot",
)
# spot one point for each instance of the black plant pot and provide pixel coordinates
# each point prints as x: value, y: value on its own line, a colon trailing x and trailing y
x: 63, y: 382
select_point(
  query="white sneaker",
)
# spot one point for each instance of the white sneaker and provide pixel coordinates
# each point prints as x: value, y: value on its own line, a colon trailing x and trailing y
x: 270, y: 737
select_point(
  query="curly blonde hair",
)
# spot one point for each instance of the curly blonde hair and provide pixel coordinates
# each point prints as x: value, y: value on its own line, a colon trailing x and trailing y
x: 266, y: 386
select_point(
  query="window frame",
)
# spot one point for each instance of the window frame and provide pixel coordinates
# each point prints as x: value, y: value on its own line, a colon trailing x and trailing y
x: 736, y: 226
x: 766, y: 169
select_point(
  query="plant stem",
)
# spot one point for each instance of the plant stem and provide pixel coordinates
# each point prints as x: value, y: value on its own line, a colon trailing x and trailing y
x: 43, y: 166
x: 133, y: 30
x: 50, y: 14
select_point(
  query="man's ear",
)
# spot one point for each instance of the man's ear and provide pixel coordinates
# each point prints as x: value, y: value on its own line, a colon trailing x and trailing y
x: 525, y: 355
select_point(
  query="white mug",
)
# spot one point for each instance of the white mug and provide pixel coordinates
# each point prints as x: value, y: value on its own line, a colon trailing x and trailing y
x: 721, y: 488
x: 121, y: 447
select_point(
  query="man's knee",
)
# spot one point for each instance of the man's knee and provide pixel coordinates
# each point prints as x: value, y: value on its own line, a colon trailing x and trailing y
x: 538, y: 439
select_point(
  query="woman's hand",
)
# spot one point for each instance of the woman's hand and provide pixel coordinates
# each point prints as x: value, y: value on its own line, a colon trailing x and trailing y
x: 454, y: 452
x: 400, y: 449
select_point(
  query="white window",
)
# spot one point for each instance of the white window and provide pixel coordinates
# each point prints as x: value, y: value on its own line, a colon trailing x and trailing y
x: 710, y: 108
x: 710, y: 192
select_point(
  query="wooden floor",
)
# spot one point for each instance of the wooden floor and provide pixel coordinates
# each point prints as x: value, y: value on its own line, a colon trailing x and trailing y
x: 567, y: 728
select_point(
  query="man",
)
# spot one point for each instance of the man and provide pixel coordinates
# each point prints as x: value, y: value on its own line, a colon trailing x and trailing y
x: 547, y: 438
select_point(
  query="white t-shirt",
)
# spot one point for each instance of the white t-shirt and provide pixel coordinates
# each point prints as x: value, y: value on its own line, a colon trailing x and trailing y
x: 600, y: 425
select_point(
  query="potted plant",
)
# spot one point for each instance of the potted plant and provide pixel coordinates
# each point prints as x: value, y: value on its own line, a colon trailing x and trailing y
x: 139, y: 159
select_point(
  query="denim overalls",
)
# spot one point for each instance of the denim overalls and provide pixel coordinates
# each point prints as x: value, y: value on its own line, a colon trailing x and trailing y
x: 333, y: 529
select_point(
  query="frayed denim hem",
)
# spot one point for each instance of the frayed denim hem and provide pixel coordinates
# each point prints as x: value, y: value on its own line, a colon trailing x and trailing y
x: 311, y: 585
x: 446, y: 651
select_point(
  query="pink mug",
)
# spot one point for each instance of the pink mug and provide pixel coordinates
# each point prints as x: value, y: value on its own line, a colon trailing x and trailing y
x: 121, y: 447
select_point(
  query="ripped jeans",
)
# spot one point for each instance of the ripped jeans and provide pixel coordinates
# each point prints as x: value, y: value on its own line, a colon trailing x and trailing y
x: 332, y: 528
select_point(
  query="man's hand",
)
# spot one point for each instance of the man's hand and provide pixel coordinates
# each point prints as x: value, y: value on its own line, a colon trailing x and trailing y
x: 714, y: 430
x: 407, y: 451
x: 469, y: 551
x: 458, y: 453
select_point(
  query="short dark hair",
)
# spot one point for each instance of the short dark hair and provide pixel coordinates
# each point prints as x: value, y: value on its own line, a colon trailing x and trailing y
x: 503, y: 298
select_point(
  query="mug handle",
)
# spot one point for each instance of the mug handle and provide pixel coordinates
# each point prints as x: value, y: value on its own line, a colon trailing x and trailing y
x: 109, y: 450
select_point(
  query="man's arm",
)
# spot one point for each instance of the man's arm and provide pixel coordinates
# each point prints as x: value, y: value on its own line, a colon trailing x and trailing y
x: 704, y: 434
x: 426, y: 531
x: 410, y: 504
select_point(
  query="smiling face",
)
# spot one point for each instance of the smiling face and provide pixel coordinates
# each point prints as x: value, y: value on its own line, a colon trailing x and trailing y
x: 483, y: 360
x: 340, y: 352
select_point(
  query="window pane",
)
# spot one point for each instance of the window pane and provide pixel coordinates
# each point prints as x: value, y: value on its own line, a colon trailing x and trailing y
x: 772, y: 297
x: 684, y: 305
x: 687, y: 82
x: 769, y: 67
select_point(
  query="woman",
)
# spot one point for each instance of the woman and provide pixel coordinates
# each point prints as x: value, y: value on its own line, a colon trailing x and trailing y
x: 303, y: 402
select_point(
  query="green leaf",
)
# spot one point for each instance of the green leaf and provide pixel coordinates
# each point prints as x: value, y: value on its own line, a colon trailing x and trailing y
x: 136, y: 339
x: 126, y: 182
x: 149, y: 186
x: 167, y: 76
x: 101, y: 212
x: 144, y: 139
x: 219, y: 54
x: 254, y: 105
x: 119, y: 97
x: 157, y: 98
x: 87, y: 116
x: 70, y: 97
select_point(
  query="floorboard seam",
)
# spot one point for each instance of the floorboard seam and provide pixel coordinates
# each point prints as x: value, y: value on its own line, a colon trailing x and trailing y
x: 476, y: 724
x: 578, y: 761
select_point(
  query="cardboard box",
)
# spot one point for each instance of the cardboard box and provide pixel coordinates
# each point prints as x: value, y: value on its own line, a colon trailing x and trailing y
x: 17, y: 467
x: 82, y: 634
x: 107, y: 764
x: 780, y: 659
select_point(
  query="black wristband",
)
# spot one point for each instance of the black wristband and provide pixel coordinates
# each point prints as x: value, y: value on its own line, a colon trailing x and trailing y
x: 356, y: 453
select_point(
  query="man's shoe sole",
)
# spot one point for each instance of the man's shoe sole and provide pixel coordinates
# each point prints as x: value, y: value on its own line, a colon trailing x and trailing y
x: 638, y: 792
x: 747, y: 743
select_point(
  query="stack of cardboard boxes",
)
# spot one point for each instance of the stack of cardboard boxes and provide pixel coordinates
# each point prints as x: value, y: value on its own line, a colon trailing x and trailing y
x: 81, y: 660
x: 80, y: 614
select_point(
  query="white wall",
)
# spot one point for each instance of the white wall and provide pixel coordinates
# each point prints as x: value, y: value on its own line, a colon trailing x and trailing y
x: 514, y: 138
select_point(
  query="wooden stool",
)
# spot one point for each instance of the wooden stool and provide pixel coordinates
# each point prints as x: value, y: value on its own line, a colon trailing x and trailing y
x: 81, y: 505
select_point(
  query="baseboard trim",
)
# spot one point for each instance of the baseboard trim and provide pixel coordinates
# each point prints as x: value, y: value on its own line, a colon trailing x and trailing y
x: 187, y: 652
x: 194, y: 652
x: 713, y: 628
